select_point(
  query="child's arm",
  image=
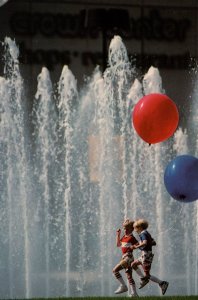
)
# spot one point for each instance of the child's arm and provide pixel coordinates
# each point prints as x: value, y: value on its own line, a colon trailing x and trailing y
x: 140, y: 244
x: 134, y: 243
x: 143, y: 243
x: 118, y: 242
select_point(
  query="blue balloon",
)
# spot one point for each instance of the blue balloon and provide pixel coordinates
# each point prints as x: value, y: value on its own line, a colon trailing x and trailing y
x: 181, y: 178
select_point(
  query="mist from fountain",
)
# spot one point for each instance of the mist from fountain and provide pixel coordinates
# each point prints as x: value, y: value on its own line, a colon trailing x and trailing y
x: 72, y: 170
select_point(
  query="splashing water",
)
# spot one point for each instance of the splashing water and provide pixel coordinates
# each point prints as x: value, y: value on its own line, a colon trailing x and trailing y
x: 14, y: 177
x: 72, y: 170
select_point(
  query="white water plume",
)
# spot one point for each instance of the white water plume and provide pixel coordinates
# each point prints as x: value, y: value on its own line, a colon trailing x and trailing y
x: 15, y: 171
x: 72, y: 170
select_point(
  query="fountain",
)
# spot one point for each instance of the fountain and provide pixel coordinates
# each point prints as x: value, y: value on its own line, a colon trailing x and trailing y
x: 72, y: 170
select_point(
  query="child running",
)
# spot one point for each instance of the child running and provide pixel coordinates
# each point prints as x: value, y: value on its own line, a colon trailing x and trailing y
x: 126, y: 242
x: 145, y: 245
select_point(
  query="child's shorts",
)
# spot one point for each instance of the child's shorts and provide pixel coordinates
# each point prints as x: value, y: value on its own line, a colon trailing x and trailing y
x: 126, y: 261
x: 146, y: 258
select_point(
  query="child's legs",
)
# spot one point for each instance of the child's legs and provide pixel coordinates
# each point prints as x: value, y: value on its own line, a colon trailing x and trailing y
x: 129, y: 276
x: 135, y: 264
x: 116, y: 272
x: 125, y: 263
x: 146, y: 268
x: 117, y: 268
x: 147, y: 259
x: 155, y: 279
x: 131, y: 281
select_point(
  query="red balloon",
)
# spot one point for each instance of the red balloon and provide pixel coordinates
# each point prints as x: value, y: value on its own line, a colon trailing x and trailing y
x: 155, y: 118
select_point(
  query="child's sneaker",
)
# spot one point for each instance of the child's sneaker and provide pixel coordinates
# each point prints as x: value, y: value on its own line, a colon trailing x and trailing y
x: 121, y: 289
x: 144, y: 281
x: 164, y: 286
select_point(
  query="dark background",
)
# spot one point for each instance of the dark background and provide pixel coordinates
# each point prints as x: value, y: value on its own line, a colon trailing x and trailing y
x: 77, y: 33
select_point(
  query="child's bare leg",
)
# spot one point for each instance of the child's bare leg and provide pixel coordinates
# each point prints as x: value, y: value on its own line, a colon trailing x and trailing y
x: 135, y: 266
x: 147, y: 268
x: 155, y: 279
x: 116, y: 271
x: 144, y: 278
x: 131, y: 282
